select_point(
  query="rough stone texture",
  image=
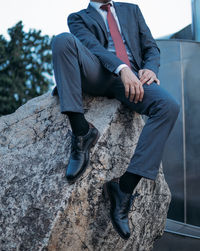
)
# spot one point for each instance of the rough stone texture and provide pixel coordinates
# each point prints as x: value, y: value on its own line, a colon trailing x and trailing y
x: 41, y: 211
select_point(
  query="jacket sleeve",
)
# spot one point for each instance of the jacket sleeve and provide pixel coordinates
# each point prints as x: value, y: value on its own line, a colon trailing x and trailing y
x: 150, y: 50
x: 78, y: 28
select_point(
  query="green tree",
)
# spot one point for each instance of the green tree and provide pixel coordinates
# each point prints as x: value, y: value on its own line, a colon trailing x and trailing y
x: 25, y: 67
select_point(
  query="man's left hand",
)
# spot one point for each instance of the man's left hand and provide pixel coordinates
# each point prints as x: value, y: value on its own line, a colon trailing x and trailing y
x: 148, y: 77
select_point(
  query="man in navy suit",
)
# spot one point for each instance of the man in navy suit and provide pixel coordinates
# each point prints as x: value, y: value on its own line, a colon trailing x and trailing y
x: 111, y: 52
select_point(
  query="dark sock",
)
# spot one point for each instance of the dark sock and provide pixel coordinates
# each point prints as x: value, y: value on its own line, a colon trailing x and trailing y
x: 79, y: 124
x: 128, y: 181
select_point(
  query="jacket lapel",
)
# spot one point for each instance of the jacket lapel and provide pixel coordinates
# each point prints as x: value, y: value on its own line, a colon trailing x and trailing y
x: 98, y: 18
x: 121, y: 14
x: 125, y: 27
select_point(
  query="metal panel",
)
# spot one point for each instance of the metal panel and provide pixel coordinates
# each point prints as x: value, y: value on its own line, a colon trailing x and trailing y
x: 196, y: 19
x: 183, y: 229
x: 191, y: 70
x: 173, y: 161
x: 180, y: 75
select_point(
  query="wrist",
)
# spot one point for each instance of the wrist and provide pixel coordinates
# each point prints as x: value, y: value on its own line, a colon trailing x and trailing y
x: 125, y: 68
x: 119, y: 68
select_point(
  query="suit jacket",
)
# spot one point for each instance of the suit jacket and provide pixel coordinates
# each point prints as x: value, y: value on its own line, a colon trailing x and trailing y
x: 89, y: 27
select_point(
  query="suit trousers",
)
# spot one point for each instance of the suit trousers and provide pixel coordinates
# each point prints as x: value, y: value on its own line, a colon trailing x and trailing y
x: 77, y: 70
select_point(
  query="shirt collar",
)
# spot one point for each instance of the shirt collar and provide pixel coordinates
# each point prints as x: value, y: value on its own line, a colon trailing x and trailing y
x: 97, y: 5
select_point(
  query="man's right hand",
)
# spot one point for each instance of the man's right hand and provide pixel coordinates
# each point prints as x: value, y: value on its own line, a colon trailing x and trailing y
x: 133, y: 87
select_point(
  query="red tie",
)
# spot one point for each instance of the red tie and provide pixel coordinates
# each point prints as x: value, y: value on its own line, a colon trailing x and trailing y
x: 116, y: 36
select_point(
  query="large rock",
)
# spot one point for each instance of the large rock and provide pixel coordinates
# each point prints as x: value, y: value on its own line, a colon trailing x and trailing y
x: 41, y: 211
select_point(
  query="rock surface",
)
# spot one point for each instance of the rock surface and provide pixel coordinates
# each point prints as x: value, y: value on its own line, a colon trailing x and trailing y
x: 41, y: 211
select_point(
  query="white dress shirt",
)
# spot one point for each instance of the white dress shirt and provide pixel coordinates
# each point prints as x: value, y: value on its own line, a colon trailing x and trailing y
x: 111, y: 46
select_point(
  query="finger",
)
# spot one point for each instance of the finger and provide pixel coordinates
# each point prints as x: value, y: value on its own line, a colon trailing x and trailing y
x: 149, y: 75
x: 132, y: 93
x: 144, y: 80
x: 151, y: 81
x: 145, y: 77
x: 141, y: 93
x: 157, y: 81
x: 145, y: 73
x: 126, y: 90
x: 137, y: 94
x: 140, y: 73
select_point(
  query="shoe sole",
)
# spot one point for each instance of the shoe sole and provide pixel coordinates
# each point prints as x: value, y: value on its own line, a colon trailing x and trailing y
x: 86, y: 165
x: 106, y: 195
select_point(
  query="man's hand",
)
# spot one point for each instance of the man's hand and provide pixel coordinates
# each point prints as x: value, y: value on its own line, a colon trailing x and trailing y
x: 133, y: 86
x: 148, y: 77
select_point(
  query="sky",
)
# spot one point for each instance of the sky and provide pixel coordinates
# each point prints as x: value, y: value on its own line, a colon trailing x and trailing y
x: 50, y: 16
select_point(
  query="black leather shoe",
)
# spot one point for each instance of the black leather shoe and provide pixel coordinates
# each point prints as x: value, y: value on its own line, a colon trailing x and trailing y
x: 120, y: 204
x: 80, y: 153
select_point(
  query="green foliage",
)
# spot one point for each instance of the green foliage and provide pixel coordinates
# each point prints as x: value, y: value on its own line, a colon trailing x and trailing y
x: 25, y: 67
